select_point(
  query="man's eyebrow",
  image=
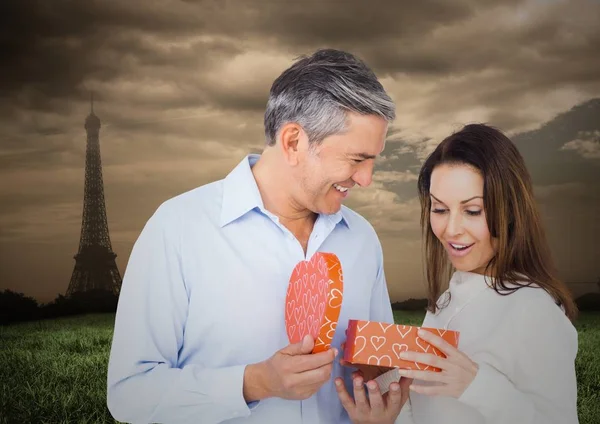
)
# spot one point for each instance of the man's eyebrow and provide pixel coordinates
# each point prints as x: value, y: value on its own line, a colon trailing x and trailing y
x: 462, y: 201
x: 363, y: 155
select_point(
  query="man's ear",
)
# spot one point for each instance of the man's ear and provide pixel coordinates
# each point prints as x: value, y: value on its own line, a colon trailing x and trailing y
x: 290, y: 136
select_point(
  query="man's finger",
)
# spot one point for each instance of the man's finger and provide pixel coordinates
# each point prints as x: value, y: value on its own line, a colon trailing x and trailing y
x: 313, y: 361
x: 357, y: 374
x: 314, y: 376
x: 360, y: 397
x: 395, y: 399
x: 303, y: 347
x: 375, y: 399
x: 344, y: 396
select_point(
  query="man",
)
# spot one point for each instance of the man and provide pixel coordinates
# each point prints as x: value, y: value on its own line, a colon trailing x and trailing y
x: 199, y: 333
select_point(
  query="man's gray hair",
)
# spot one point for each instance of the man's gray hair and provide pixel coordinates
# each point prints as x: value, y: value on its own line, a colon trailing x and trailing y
x: 317, y: 91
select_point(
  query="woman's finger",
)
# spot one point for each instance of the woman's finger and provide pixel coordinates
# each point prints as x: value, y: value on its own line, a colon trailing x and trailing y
x: 424, y: 375
x: 437, y: 342
x: 425, y: 359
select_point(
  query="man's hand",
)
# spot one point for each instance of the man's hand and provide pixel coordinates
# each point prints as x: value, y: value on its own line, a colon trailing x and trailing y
x: 377, y: 409
x: 291, y: 373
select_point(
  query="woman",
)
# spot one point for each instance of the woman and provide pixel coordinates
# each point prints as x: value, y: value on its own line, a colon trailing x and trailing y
x: 484, y: 241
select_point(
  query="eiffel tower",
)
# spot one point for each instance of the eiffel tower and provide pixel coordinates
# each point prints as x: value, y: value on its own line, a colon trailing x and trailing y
x: 95, y: 267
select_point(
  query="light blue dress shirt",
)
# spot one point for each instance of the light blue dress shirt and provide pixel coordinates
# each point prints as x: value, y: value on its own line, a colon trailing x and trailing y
x: 204, y: 295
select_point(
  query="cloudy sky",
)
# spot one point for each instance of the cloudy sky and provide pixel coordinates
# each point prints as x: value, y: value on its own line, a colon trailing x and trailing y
x: 181, y: 87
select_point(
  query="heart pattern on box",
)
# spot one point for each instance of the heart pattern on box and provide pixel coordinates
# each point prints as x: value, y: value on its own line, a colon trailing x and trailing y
x: 375, y: 343
x: 314, y: 299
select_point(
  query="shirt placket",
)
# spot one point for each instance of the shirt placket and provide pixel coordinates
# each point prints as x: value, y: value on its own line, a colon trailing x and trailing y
x: 323, y: 227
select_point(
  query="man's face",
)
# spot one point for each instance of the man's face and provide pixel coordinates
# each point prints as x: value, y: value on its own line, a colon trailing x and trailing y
x: 328, y: 171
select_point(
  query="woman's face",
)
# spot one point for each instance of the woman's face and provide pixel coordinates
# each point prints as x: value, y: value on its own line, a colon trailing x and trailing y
x: 457, y: 216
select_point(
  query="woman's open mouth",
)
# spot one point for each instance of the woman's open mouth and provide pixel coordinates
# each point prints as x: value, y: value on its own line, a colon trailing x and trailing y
x: 459, y: 249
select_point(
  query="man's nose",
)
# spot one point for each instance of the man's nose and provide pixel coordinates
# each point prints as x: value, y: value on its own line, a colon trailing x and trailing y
x: 364, y: 175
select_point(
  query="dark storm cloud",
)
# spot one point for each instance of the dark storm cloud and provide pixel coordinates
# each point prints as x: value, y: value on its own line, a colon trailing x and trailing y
x: 59, y: 41
x: 146, y: 59
x: 63, y: 51
x: 180, y: 88
x: 357, y: 22
x: 54, y: 48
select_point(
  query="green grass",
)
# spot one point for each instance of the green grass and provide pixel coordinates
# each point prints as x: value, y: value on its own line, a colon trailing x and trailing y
x: 587, y: 366
x: 54, y: 371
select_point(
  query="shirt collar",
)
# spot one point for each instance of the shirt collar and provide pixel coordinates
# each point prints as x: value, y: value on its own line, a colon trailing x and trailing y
x: 241, y: 194
x: 468, y: 284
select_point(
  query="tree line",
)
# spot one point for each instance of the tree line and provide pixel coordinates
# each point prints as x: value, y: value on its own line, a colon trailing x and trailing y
x: 17, y: 307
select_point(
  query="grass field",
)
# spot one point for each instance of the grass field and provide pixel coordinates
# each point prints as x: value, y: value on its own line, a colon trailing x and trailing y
x: 54, y: 371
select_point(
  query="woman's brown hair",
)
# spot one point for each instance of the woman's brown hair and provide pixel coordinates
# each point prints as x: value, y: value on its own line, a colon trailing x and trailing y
x: 523, y: 256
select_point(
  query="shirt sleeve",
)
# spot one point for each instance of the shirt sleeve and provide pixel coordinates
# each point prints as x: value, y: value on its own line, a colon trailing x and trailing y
x: 145, y: 380
x: 545, y: 392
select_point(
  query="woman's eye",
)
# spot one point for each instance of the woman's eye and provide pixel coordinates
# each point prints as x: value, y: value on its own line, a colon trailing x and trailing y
x: 437, y: 210
x: 474, y: 213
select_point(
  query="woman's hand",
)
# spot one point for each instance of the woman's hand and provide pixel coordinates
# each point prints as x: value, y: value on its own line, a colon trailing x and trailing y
x: 457, y: 370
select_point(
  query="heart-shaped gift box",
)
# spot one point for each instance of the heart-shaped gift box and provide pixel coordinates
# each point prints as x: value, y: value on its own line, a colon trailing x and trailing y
x: 378, y: 343
x: 314, y: 299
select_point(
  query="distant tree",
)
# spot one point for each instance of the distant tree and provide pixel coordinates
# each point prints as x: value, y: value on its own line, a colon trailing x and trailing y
x: 410, y: 305
x: 16, y: 307
x: 93, y: 301
x: 589, y: 302
x: 60, y: 306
